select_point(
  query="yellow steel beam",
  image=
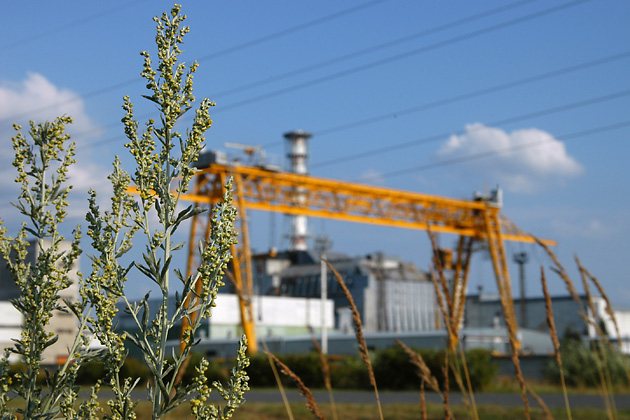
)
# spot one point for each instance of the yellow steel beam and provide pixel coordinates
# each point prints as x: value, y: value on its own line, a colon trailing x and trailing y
x: 275, y: 191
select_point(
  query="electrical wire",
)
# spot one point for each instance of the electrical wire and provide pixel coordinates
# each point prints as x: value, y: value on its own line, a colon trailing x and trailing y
x: 399, y: 146
x: 474, y: 94
x: 464, y: 96
x: 397, y: 57
x: 506, y: 150
x: 207, y: 57
x: 440, y: 102
x: 291, y: 30
x: 424, y: 140
x: 69, y: 25
x: 371, y: 49
x: 355, y: 69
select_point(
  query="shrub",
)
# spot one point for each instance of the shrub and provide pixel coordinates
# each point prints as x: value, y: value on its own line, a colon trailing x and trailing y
x: 393, y: 370
x: 481, y: 368
x: 349, y: 372
x: 580, y: 363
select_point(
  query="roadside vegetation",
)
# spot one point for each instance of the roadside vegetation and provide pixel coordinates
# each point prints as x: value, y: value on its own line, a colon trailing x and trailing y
x: 164, y: 158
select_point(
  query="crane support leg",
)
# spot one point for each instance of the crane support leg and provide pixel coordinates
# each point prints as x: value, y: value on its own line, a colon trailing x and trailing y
x: 499, y: 263
x: 242, y: 258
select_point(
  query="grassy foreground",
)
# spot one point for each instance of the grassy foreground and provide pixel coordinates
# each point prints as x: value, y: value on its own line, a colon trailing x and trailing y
x: 273, y: 411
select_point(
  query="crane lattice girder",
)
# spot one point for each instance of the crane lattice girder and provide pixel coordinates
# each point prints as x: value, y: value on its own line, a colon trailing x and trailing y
x: 318, y: 197
x: 289, y: 193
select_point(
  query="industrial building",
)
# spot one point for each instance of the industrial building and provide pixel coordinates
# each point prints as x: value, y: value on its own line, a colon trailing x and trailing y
x: 483, y: 311
x: 391, y: 296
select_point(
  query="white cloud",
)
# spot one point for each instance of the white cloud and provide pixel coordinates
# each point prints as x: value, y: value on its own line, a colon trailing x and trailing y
x: 36, y: 98
x: 592, y: 229
x: 523, y: 160
x: 373, y: 177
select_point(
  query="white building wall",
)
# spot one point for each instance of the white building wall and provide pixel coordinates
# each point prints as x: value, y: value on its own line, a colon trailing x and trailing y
x: 274, y: 315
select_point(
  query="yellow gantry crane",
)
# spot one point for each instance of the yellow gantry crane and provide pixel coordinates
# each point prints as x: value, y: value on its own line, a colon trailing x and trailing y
x: 257, y: 188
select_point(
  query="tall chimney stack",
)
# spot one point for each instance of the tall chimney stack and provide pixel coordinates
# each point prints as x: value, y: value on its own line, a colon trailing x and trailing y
x: 298, y: 155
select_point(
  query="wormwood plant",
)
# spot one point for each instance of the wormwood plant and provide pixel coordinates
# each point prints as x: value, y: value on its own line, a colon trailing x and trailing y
x: 42, y: 166
x: 163, y: 172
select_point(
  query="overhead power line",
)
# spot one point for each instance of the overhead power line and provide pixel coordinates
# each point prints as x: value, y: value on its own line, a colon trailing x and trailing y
x: 69, y: 25
x: 469, y: 95
x: 475, y: 93
x: 371, y: 49
x: 291, y: 30
x: 394, y: 147
x: 223, y: 52
x: 437, y: 137
x: 396, y: 57
x: 422, y: 107
x: 355, y: 69
x: 511, y: 149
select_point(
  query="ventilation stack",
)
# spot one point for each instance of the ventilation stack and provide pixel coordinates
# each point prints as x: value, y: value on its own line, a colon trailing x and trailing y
x: 297, y: 142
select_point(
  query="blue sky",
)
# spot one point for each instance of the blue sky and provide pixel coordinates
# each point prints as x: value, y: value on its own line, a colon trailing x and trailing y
x: 413, y: 85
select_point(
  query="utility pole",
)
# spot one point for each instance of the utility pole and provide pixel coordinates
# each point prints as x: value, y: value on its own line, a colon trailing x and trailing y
x: 322, y: 244
x: 521, y: 259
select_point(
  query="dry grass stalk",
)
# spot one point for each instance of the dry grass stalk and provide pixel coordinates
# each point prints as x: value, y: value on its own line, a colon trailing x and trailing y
x: 461, y: 304
x: 451, y: 321
x: 447, y: 403
x: 423, y: 370
x: 466, y: 393
x: 326, y: 371
x: 560, y: 270
x: 423, y: 402
x: 507, y: 304
x: 554, y: 338
x: 448, y: 318
x: 609, y: 310
x: 597, y: 284
x: 562, y: 273
x: 285, y: 400
x: 447, y: 323
x: 471, y: 394
x: 599, y: 351
x: 510, y: 322
x: 540, y: 402
x: 304, y: 390
x: 442, y: 306
x: 591, y: 306
x: 358, y: 330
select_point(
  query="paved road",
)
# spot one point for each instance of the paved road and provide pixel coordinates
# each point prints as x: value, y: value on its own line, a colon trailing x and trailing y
x: 405, y: 397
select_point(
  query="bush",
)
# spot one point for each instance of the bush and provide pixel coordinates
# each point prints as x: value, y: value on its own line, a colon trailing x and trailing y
x: 481, y: 368
x: 306, y: 366
x: 349, y: 372
x: 580, y: 366
x: 392, y: 370
x: 260, y: 373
